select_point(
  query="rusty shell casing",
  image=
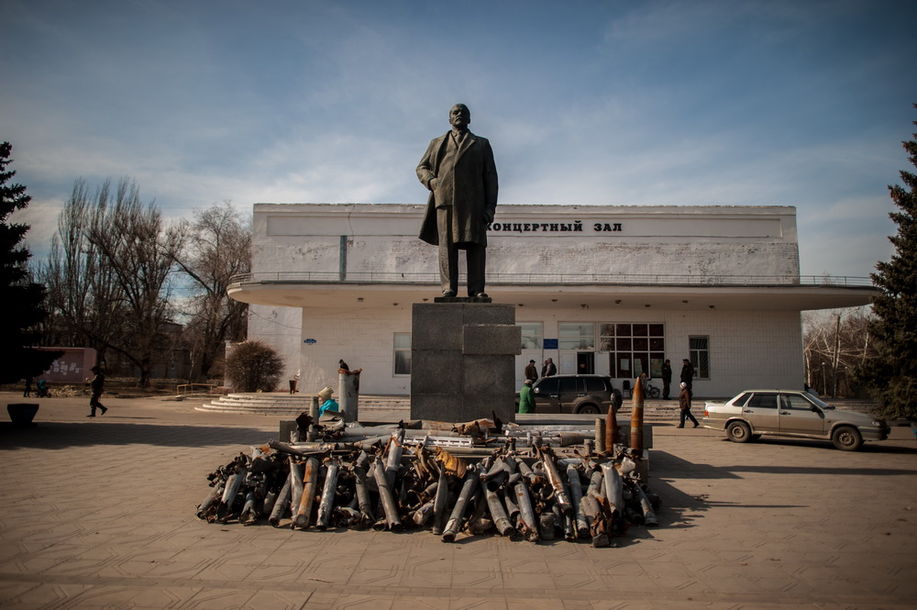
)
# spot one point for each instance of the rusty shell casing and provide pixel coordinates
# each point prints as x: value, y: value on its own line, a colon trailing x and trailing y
x: 454, y: 524
x: 649, y: 515
x: 611, y: 430
x: 498, y: 512
x: 614, y: 487
x: 440, y: 503
x: 392, y: 519
x: 636, y: 417
x: 283, y: 501
x: 326, y: 505
x: 303, y: 514
x: 576, y: 498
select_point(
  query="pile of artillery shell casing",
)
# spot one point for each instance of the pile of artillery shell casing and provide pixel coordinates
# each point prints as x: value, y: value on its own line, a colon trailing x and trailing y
x: 515, y: 483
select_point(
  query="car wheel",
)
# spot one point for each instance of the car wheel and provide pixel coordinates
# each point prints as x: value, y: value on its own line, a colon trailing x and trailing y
x: 847, y: 438
x: 738, y: 432
x: 588, y: 409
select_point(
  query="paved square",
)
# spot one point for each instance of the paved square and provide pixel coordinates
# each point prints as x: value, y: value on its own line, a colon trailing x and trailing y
x: 100, y: 513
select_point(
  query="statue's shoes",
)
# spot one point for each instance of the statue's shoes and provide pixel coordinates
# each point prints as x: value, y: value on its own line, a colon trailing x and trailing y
x: 448, y: 293
x: 481, y: 295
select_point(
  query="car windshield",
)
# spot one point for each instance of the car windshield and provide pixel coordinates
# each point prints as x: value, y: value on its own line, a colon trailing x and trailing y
x: 817, y: 401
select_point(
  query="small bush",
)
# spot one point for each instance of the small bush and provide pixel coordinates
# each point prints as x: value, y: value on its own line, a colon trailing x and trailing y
x: 253, y: 366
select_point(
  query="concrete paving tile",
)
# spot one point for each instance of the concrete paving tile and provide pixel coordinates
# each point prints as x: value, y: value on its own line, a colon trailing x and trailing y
x: 485, y: 580
x: 532, y: 604
x: 48, y: 595
x: 218, y: 570
x: 522, y: 563
x: 420, y: 576
x: 268, y: 574
x: 218, y: 598
x: 477, y: 603
x: 278, y: 600
x: 321, y: 600
x: 528, y: 582
x: 385, y: 576
x: 326, y: 575
x: 418, y: 602
x: 10, y: 590
x: 369, y: 602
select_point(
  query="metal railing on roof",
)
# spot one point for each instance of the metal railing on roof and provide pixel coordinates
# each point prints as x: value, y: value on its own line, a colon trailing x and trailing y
x: 554, y: 279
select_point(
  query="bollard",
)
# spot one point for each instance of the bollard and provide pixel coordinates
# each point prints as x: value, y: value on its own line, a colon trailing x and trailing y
x: 349, y: 384
x: 599, y: 435
x: 313, y: 409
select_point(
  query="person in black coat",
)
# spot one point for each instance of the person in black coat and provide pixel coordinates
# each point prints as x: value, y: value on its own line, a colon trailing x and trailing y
x: 666, y: 379
x: 687, y: 374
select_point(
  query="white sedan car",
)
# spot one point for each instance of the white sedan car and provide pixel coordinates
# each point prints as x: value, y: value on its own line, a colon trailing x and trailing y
x: 792, y: 413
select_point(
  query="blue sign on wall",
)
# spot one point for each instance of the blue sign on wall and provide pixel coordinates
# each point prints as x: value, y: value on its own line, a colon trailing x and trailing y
x: 310, y: 341
x: 550, y: 343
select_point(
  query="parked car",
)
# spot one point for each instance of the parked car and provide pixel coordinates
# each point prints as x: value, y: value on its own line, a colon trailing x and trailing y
x: 793, y: 413
x: 575, y: 394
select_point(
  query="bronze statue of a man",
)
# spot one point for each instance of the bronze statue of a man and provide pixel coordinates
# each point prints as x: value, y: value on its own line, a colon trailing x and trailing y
x: 459, y: 171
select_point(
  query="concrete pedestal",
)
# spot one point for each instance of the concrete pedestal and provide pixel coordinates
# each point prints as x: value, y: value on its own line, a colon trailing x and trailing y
x: 462, y: 361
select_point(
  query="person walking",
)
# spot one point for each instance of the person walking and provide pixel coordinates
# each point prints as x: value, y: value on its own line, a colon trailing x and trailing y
x: 28, y: 387
x: 294, y: 380
x: 687, y: 374
x: 666, y: 379
x: 96, y: 386
x: 549, y: 369
x: 531, y: 371
x: 526, y: 398
x: 684, y: 403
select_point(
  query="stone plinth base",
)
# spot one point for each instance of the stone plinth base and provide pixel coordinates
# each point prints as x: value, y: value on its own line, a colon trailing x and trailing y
x: 462, y: 361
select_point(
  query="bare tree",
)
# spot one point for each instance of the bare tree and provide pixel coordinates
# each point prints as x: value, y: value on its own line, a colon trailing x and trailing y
x: 216, y: 246
x: 84, y: 294
x: 109, y: 270
x: 836, y: 345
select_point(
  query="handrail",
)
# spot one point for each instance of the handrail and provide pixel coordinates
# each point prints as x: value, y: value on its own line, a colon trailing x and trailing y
x: 527, y: 279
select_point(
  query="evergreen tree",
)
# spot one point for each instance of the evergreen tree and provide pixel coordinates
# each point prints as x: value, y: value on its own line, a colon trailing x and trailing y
x: 893, y: 376
x: 22, y: 299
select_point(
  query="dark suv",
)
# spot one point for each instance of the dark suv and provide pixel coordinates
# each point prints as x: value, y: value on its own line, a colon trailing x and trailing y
x: 575, y: 394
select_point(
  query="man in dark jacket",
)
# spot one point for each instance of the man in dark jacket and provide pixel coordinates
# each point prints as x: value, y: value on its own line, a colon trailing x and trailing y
x: 666, y: 379
x: 684, y: 404
x: 459, y: 171
x: 687, y: 374
x: 96, y: 387
x: 531, y: 372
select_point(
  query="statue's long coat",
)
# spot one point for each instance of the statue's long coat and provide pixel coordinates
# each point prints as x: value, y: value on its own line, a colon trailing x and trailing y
x: 474, y: 188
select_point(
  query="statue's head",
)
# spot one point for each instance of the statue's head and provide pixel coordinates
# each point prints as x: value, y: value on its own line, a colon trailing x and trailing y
x: 459, y: 116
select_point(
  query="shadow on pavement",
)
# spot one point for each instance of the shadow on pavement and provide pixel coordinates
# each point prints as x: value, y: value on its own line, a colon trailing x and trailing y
x: 53, y: 435
x: 888, y: 446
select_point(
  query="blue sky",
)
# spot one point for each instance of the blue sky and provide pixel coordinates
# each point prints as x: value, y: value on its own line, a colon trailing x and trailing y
x: 799, y: 103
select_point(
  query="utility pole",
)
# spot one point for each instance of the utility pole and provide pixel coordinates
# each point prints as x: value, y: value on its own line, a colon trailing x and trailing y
x: 837, y: 346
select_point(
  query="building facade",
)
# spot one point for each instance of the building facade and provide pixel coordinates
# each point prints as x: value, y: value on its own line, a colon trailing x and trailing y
x: 613, y: 290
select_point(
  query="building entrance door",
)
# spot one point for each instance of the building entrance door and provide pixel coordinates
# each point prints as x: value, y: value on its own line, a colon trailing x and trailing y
x: 585, y: 363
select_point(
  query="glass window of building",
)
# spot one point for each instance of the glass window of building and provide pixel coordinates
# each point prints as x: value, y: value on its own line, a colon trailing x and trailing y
x: 633, y: 348
x: 402, y: 353
x: 576, y: 335
x: 532, y: 334
x: 700, y: 356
